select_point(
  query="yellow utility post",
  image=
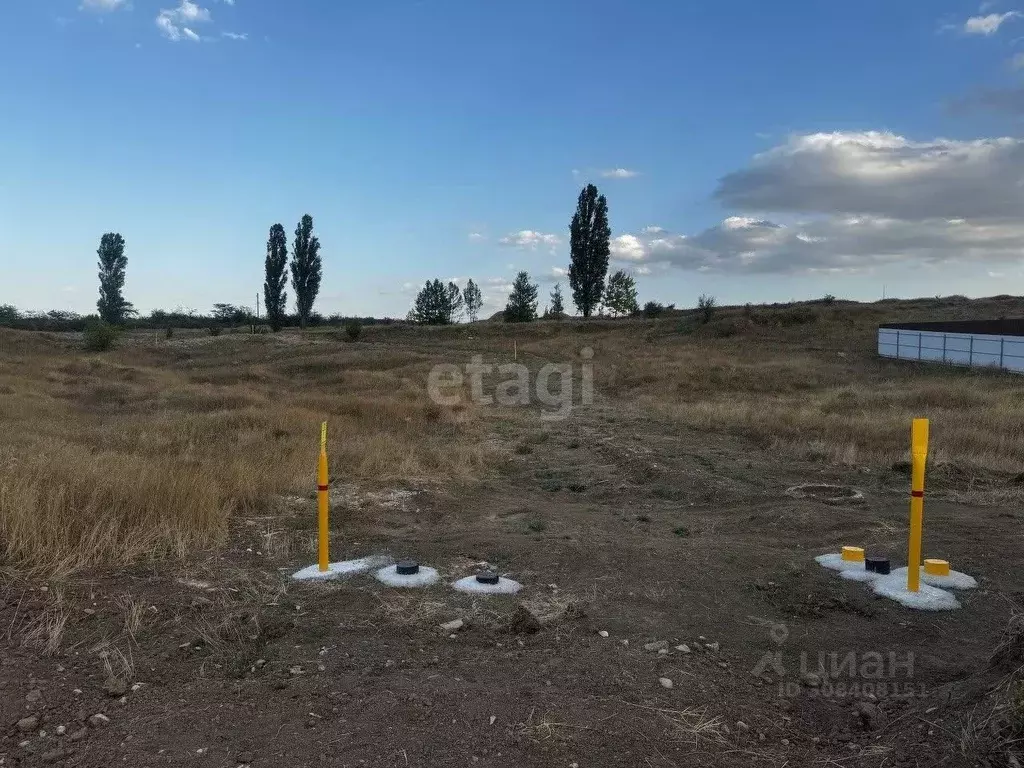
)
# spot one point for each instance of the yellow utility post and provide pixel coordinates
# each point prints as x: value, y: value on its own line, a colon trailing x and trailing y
x: 918, y: 456
x: 322, y: 501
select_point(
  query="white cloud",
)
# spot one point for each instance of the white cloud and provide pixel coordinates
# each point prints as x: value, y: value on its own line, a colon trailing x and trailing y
x: 103, y: 6
x: 173, y: 22
x: 527, y: 238
x: 882, y: 174
x: 834, y: 244
x: 627, y: 248
x: 477, y: 236
x: 850, y: 202
x: 235, y: 35
x: 619, y: 173
x: 987, y: 25
x: 559, y: 272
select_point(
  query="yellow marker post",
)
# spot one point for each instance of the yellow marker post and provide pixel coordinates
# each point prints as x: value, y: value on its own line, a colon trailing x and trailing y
x: 322, y: 501
x: 918, y: 456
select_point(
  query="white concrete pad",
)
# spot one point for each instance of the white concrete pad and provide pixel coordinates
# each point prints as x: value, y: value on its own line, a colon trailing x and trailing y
x: 503, y: 587
x: 860, y: 574
x: 928, y: 598
x: 422, y: 578
x: 834, y: 561
x: 955, y: 580
x: 343, y: 569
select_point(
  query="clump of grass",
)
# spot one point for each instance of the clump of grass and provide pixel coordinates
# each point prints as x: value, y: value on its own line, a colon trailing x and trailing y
x: 681, y: 530
x: 536, y: 525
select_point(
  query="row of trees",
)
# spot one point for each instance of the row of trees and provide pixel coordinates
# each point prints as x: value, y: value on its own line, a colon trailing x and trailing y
x: 306, y: 272
x: 589, y: 253
x: 440, y: 304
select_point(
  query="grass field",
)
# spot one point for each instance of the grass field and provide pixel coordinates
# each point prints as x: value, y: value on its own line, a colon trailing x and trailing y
x: 146, y: 450
x: 155, y: 497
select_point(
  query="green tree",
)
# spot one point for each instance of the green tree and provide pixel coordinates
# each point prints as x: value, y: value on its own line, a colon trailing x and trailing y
x: 620, y: 294
x: 522, y: 302
x: 557, y: 309
x: 473, y: 299
x: 9, y: 315
x: 590, y: 248
x: 433, y: 304
x: 275, y: 296
x: 306, y: 269
x: 112, y: 307
x: 453, y: 302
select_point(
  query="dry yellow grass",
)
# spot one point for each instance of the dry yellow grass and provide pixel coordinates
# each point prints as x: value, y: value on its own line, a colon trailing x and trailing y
x: 146, y: 450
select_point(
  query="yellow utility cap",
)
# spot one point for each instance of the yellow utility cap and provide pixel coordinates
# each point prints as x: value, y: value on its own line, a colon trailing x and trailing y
x: 853, y: 554
x: 936, y: 567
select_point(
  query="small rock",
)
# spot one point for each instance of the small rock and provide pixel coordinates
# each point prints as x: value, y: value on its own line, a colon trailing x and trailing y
x: 98, y: 720
x: 684, y: 648
x: 663, y: 652
x: 603, y: 633
x: 24, y: 744
x: 54, y: 755
x: 34, y: 695
x: 78, y: 735
x: 493, y: 719
x: 625, y: 642
x: 741, y: 726
x: 665, y: 682
x: 453, y: 626
x: 260, y: 663
x: 723, y: 664
x: 712, y: 646
x: 89, y: 611
x: 60, y: 730
x: 115, y: 686
x: 656, y: 646
x: 28, y: 724
x: 296, y: 670
x: 784, y: 742
x: 245, y: 757
x: 136, y: 687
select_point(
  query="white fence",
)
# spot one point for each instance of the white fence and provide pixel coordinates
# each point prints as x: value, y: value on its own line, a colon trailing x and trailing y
x: 973, y: 349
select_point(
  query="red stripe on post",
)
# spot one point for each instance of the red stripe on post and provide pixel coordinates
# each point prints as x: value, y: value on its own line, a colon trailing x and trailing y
x: 321, y: 488
x: 917, y: 494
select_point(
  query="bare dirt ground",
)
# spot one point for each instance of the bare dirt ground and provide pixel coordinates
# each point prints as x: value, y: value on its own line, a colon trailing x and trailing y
x: 648, y: 551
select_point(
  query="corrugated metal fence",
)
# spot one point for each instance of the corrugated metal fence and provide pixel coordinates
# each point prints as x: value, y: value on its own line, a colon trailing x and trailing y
x: 973, y: 349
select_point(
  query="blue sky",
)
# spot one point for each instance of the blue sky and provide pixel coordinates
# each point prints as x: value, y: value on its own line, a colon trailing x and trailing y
x: 755, y: 151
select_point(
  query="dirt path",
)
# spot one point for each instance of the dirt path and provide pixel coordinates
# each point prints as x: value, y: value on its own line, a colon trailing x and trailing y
x: 615, y: 525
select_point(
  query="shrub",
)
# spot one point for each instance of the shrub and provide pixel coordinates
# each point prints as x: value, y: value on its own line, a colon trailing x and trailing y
x: 653, y: 309
x: 169, y: 333
x: 706, y: 305
x: 352, y: 330
x: 99, y: 336
x: 828, y: 299
x: 214, y: 330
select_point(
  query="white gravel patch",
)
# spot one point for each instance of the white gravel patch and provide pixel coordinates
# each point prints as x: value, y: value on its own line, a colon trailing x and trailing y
x: 341, y: 570
x: 894, y: 586
x: 503, y: 587
x: 422, y: 578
